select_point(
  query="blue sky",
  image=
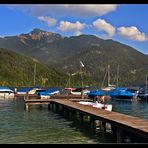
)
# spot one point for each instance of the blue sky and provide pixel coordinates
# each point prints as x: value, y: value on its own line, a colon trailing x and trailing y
x: 126, y: 23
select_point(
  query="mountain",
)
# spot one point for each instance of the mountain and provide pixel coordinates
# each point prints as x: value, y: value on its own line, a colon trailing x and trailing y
x: 18, y: 70
x: 64, y: 54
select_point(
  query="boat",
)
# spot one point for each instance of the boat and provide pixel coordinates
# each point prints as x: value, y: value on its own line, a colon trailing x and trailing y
x: 122, y: 93
x: 142, y: 93
x: 107, y: 107
x: 83, y: 90
x: 97, y: 104
x: 30, y: 90
x: 34, y: 90
x: 91, y: 103
x: 6, y: 92
x: 48, y: 93
x: 101, y: 103
x: 109, y: 86
x: 23, y: 91
x: 77, y: 90
x: 96, y: 93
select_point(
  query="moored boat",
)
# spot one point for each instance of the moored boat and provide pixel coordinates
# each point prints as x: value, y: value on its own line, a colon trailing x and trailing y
x: 122, y: 93
x: 77, y: 90
x: 142, y: 93
x: 96, y: 93
x: 48, y: 93
x: 101, y: 103
x: 6, y: 92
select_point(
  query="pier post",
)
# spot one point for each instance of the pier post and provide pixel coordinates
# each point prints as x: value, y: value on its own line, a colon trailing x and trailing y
x: 62, y: 110
x: 26, y: 106
x: 49, y: 106
x: 113, y: 129
x: 103, y: 126
x: 56, y: 108
x: 73, y: 114
x: 67, y: 113
x: 82, y: 94
x: 81, y: 117
x: 27, y: 96
x: 118, y: 133
x: 52, y: 106
x: 92, y: 124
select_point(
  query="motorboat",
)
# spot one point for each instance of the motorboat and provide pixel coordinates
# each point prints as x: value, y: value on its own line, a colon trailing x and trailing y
x: 142, y: 93
x: 6, y: 92
x: 96, y: 93
x: 48, y: 93
x: 100, y: 103
x: 77, y: 90
x: 103, y: 106
x: 122, y: 93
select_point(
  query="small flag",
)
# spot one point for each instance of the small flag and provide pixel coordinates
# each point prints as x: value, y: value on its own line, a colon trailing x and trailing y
x: 81, y: 64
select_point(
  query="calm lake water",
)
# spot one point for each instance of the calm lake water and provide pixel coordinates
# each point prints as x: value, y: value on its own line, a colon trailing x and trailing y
x: 40, y: 125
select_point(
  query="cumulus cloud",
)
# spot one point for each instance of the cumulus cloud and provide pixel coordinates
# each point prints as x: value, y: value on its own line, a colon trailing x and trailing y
x: 82, y: 10
x: 50, y: 21
x: 101, y: 24
x: 132, y: 33
x: 77, y: 33
x: 74, y: 27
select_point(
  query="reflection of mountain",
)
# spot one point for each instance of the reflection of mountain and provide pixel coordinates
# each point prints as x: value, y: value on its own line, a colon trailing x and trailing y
x: 64, y: 53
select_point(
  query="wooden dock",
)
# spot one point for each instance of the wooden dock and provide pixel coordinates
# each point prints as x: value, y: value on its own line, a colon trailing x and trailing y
x: 136, y: 128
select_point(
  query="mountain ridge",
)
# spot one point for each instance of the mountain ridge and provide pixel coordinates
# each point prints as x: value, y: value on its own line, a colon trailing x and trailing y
x: 64, y: 54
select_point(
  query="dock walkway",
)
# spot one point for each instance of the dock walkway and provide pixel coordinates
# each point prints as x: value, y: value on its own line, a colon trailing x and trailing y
x: 133, y: 125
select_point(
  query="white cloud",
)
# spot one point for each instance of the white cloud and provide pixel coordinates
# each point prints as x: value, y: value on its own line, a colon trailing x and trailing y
x: 82, y: 10
x: 50, y: 21
x: 77, y: 33
x: 101, y: 24
x: 76, y: 27
x: 132, y: 33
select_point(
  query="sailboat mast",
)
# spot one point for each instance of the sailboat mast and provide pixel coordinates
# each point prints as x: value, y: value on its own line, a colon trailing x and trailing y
x: 108, y: 75
x: 117, y: 75
x: 34, y: 77
x: 146, y: 81
x: 69, y: 80
x: 81, y: 73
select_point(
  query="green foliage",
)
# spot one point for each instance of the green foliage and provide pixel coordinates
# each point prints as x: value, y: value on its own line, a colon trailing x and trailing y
x: 18, y: 70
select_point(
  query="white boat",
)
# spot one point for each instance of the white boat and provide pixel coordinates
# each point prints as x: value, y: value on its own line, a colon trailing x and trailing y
x: 23, y: 91
x: 86, y: 103
x: 97, y: 104
x: 77, y: 91
x: 103, y: 106
x: 6, y: 92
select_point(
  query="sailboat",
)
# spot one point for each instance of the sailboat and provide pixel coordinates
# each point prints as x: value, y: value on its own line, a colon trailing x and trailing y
x: 83, y: 90
x: 143, y: 91
x: 121, y: 92
x: 109, y: 86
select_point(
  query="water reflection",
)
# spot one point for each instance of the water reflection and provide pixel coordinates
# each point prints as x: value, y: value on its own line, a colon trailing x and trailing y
x: 136, y: 108
x: 40, y: 125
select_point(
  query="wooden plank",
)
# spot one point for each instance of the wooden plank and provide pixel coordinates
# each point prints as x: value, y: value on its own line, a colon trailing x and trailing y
x: 125, y: 121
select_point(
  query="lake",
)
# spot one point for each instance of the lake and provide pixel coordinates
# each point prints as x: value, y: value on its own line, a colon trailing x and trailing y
x: 39, y: 125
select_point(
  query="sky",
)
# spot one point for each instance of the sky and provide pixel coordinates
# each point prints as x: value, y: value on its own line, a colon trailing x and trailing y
x: 125, y: 23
